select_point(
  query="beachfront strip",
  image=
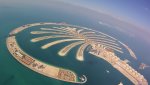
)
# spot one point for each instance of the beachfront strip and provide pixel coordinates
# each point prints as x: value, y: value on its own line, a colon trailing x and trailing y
x: 40, y: 67
x: 122, y: 66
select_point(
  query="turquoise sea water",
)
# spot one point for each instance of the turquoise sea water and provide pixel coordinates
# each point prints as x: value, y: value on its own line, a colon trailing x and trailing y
x: 13, y: 73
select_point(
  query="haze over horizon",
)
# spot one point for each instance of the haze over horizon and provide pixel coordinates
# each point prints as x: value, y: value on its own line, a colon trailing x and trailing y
x: 135, y: 13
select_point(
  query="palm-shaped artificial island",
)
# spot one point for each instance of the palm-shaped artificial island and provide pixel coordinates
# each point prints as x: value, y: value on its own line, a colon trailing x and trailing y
x: 82, y: 37
x: 101, y: 45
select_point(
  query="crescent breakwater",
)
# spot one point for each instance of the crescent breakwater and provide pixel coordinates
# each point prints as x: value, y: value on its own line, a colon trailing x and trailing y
x: 38, y: 66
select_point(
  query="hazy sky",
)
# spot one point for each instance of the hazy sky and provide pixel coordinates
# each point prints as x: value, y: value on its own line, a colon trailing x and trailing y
x: 133, y: 11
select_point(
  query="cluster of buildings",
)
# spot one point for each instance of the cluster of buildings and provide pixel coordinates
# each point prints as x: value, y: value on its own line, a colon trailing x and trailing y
x: 66, y: 75
x: 120, y: 65
x: 20, y: 55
